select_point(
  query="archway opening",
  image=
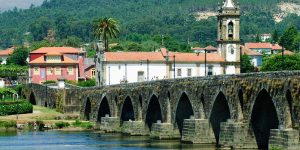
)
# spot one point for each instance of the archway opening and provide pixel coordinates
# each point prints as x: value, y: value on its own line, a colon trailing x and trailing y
x: 103, y: 109
x: 141, y: 100
x: 219, y: 113
x: 127, y: 110
x: 88, y: 108
x: 241, y: 99
x: 153, y: 112
x: 263, y: 118
x: 32, y: 99
x: 184, y: 111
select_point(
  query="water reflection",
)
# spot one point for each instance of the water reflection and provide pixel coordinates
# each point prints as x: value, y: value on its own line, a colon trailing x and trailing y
x: 54, y: 140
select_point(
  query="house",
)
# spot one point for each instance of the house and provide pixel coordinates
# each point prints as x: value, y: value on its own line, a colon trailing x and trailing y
x: 4, y: 54
x: 264, y: 47
x: 255, y: 57
x: 265, y: 37
x: 128, y: 67
x: 52, y: 63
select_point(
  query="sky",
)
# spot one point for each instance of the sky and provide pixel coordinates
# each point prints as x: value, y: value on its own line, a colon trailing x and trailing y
x: 10, y: 4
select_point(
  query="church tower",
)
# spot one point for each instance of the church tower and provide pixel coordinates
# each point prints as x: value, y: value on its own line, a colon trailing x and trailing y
x: 229, y: 36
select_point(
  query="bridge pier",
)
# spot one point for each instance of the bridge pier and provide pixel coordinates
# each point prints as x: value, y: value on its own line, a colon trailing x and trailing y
x: 287, y: 139
x: 198, y: 131
x: 164, y: 131
x: 235, y: 135
x: 134, y: 128
x: 110, y: 124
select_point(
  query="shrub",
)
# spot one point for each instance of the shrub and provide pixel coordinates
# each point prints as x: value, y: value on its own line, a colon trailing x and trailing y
x: 61, y: 125
x: 87, y: 83
x: 8, y: 124
x: 49, y: 82
x: 86, y: 125
x: 15, y: 107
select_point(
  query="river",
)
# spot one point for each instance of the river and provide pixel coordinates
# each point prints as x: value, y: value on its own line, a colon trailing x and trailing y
x: 58, y: 140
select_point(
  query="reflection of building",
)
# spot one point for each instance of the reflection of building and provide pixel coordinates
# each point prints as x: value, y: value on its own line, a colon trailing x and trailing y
x: 51, y: 63
x: 4, y: 54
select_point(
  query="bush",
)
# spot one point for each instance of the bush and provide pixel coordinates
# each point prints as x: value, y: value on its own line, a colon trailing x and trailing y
x: 49, y: 82
x: 86, y: 125
x: 61, y: 125
x: 15, y: 107
x: 88, y: 83
x: 8, y: 124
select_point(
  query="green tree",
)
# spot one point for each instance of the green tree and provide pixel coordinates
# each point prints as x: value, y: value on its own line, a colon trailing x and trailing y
x: 287, y: 39
x: 246, y: 65
x: 1, y: 60
x: 296, y: 43
x: 73, y: 41
x: 106, y: 28
x: 274, y: 63
x: 275, y: 36
x: 18, y: 57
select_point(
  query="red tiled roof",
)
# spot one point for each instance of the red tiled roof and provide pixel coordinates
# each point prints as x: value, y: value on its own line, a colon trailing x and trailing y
x: 249, y: 52
x: 41, y: 60
x: 209, y: 48
x: 6, y: 52
x: 157, y: 56
x: 286, y: 52
x: 264, y: 45
x: 62, y: 50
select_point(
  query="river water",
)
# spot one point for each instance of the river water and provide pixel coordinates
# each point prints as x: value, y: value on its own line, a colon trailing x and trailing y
x: 58, y: 140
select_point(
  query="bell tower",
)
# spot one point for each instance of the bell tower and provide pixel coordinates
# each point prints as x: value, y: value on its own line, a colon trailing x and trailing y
x: 229, y: 35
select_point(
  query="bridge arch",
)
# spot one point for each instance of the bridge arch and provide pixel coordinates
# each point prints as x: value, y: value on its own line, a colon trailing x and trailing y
x: 220, y: 112
x: 127, y: 110
x: 104, y: 109
x: 263, y: 118
x: 184, y: 110
x: 87, y: 109
x: 154, y: 112
x: 32, y: 99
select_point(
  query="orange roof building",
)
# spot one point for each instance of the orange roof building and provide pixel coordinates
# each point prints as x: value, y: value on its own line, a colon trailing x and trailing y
x: 4, y: 54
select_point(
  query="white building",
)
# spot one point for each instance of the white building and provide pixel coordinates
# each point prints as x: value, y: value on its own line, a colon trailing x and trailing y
x: 128, y: 67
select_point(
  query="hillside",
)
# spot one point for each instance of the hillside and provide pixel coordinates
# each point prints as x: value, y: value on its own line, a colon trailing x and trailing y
x: 152, y: 17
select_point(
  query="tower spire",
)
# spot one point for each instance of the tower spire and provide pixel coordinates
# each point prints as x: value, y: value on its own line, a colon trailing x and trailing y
x: 228, y: 4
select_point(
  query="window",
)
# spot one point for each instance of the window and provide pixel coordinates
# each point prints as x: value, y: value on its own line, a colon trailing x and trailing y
x: 179, y: 72
x: 231, y: 49
x: 230, y: 30
x: 189, y: 72
x: 49, y: 70
x: 57, y: 71
x: 210, y: 70
x: 93, y: 73
x: 70, y: 71
x: 36, y: 71
x: 141, y: 76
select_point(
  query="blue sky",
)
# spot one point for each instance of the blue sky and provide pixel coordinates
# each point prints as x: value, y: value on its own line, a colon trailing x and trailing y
x: 9, y: 4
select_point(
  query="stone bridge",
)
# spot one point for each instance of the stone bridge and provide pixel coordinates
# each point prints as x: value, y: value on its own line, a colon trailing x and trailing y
x: 257, y: 110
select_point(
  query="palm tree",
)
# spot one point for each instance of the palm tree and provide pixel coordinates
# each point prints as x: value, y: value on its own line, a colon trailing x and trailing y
x: 106, y: 28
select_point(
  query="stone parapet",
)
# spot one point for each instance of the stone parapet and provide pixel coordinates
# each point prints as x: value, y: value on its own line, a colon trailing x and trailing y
x: 197, y: 131
x: 134, y: 128
x: 110, y: 124
x: 164, y: 131
x: 235, y: 135
x: 287, y: 139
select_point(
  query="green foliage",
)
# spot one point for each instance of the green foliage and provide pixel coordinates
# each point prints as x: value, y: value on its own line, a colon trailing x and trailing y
x: 8, y: 124
x: 1, y: 60
x: 62, y: 124
x: 88, y: 83
x: 15, y: 107
x: 246, y: 65
x: 275, y: 36
x: 18, y: 57
x: 274, y: 62
x: 49, y: 82
x: 12, y: 71
x: 287, y: 39
x: 85, y: 125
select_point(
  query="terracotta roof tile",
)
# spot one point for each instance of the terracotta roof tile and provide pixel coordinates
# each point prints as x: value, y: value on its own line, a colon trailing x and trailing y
x: 41, y: 60
x: 6, y: 52
x: 57, y: 49
x: 249, y: 52
x: 264, y: 45
x: 209, y: 48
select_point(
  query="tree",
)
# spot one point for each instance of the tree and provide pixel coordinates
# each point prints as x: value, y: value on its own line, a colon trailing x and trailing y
x: 106, y: 28
x: 1, y: 60
x: 274, y: 63
x: 296, y: 43
x: 246, y: 65
x: 287, y: 39
x: 275, y: 36
x: 18, y: 57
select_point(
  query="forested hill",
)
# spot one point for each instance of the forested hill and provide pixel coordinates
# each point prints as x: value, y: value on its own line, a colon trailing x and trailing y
x: 151, y: 17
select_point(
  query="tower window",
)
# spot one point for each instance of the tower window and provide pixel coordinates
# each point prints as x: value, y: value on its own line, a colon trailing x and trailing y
x: 231, y: 49
x: 230, y: 30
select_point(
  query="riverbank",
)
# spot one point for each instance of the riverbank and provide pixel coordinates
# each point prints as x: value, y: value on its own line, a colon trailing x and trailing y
x: 44, y: 119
